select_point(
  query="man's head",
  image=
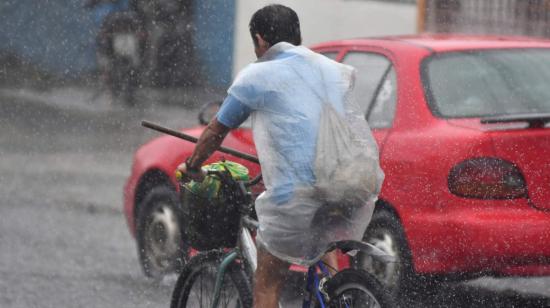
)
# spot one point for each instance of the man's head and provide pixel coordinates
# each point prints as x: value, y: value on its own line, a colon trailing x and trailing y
x: 273, y: 24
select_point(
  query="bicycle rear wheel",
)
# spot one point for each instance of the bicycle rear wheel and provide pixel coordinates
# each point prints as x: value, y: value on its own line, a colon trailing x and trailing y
x: 195, y: 285
x: 357, y: 288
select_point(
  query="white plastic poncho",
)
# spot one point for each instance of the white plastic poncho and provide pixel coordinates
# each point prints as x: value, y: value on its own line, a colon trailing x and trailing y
x: 318, y: 156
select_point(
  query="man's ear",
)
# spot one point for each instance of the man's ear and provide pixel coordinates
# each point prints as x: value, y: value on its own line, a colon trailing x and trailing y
x: 261, y: 42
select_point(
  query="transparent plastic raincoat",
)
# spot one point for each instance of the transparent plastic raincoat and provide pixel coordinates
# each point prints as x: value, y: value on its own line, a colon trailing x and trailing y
x: 318, y: 156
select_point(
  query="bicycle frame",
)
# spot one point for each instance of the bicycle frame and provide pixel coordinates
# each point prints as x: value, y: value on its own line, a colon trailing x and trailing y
x: 313, y: 284
x: 232, y: 256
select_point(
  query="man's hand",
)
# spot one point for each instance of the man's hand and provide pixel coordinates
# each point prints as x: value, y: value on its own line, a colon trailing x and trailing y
x: 209, y: 141
x: 195, y: 175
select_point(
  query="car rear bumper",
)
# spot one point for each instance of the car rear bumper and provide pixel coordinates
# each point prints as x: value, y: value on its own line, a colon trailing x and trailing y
x: 502, y: 238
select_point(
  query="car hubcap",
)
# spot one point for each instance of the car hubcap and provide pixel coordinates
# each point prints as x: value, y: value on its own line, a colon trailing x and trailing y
x: 163, y: 237
x: 387, y: 273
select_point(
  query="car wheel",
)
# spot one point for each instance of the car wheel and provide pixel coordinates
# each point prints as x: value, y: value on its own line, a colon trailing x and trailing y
x: 385, y: 232
x: 160, y: 241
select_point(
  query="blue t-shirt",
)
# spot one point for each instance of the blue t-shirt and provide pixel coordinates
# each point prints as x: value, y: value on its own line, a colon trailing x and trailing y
x: 232, y: 112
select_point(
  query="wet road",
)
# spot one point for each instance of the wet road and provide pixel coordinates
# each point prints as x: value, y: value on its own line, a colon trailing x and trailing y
x: 63, y: 238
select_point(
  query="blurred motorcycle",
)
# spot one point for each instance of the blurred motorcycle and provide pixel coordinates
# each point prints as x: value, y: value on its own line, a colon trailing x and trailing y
x: 170, y: 53
x: 123, y: 48
x: 144, y: 42
x: 121, y: 43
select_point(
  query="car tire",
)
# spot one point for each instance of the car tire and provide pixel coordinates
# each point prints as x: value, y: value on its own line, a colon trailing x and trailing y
x: 161, y: 244
x: 386, y: 233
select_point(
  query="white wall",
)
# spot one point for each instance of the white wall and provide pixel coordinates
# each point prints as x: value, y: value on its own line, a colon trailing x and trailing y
x: 324, y: 20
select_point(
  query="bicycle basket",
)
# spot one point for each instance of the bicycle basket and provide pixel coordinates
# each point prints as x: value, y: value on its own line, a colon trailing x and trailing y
x: 211, y: 208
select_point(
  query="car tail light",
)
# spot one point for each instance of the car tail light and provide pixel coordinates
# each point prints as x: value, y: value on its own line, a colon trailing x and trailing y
x: 487, y: 178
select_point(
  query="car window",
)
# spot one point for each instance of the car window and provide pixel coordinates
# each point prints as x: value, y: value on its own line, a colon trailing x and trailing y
x: 375, y: 86
x: 488, y: 83
x: 382, y: 111
x: 330, y: 54
x: 371, y: 69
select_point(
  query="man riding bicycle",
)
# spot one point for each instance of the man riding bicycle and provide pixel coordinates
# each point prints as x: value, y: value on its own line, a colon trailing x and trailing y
x: 291, y: 93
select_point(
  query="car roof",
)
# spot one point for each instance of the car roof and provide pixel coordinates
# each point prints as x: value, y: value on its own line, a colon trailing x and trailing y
x: 444, y: 42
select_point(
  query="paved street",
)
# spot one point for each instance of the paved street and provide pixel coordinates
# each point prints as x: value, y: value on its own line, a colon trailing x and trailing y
x: 63, y: 238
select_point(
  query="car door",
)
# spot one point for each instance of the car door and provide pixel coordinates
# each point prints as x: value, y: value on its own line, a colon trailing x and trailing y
x: 375, y: 90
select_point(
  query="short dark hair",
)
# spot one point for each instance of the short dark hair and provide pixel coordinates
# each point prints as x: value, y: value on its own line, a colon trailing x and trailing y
x: 276, y: 23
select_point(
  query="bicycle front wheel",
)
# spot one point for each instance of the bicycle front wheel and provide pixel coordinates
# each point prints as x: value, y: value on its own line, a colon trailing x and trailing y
x: 195, y: 285
x: 357, y: 288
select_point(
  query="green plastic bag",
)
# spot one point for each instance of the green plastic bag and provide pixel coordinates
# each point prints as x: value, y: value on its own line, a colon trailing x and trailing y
x: 209, y: 188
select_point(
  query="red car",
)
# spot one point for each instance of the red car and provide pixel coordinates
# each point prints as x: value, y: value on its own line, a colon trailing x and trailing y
x: 462, y: 126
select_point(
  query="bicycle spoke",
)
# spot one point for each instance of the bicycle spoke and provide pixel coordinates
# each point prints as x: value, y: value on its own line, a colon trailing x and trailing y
x: 202, y: 291
x: 204, y: 288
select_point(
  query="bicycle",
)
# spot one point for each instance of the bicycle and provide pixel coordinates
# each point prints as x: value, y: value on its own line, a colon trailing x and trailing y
x: 222, y: 277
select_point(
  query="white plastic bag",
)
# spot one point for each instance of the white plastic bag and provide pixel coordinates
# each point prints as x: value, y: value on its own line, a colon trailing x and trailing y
x: 345, y: 169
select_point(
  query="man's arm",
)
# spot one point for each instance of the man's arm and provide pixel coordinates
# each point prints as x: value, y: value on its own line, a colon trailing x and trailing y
x: 231, y: 114
x: 209, y: 141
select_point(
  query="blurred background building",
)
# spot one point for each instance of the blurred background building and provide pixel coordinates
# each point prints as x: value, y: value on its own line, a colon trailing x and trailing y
x: 57, y: 38
x: 324, y: 20
x: 51, y: 39
x: 507, y: 17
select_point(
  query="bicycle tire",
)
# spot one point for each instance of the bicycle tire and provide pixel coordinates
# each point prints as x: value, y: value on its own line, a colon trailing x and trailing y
x: 357, y: 288
x: 200, y: 273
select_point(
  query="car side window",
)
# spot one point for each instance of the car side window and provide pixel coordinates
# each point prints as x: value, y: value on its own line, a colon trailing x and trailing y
x: 375, y: 86
x: 330, y: 54
x: 382, y: 111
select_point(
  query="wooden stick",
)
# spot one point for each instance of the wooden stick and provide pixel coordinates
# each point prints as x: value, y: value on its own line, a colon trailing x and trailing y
x: 189, y: 138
